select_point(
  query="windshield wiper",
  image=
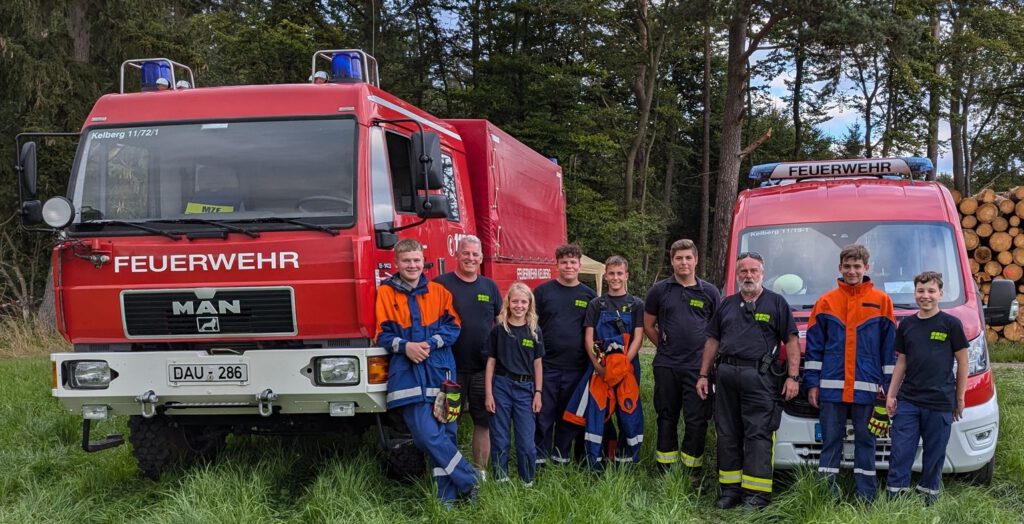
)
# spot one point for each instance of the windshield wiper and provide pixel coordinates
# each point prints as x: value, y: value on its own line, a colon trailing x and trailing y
x: 229, y: 227
x: 308, y: 225
x: 904, y: 305
x: 168, y: 234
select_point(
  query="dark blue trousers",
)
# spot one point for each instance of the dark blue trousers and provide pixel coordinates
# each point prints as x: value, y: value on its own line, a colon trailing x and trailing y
x: 514, y: 403
x: 554, y: 436
x: 453, y: 474
x: 833, y: 419
x: 910, y: 425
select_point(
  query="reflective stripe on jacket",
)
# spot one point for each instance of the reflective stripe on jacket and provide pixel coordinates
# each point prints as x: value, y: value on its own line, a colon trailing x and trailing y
x: 850, y: 343
x: 406, y: 314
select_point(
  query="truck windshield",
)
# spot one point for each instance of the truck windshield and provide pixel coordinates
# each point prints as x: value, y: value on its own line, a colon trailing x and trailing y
x: 219, y: 171
x: 802, y: 260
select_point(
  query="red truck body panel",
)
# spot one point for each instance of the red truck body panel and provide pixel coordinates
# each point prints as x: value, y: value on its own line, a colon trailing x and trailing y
x: 334, y: 278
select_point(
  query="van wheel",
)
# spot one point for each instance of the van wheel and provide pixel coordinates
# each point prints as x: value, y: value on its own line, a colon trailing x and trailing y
x: 983, y: 476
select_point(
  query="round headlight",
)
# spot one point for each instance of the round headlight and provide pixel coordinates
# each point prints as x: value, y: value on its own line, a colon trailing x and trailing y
x: 58, y: 212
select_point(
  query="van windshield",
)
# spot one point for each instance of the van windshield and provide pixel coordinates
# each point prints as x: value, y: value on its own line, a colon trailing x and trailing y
x: 802, y: 260
x: 218, y: 171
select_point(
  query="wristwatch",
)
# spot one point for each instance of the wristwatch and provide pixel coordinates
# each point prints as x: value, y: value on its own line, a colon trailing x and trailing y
x: 794, y: 378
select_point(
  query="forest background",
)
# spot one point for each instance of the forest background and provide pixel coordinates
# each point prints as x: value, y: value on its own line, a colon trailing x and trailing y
x: 655, y: 110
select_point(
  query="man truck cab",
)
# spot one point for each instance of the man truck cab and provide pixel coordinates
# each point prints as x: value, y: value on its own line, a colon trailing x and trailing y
x: 800, y: 218
x: 219, y: 249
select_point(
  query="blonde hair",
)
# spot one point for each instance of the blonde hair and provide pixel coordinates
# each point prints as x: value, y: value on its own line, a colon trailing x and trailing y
x: 506, y: 310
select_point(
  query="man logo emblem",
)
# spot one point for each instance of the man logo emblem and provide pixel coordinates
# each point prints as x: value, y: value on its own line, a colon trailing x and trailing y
x: 208, y: 324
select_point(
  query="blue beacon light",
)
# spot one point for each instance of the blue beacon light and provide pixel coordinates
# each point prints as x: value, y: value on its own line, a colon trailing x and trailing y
x: 151, y: 71
x: 346, y: 67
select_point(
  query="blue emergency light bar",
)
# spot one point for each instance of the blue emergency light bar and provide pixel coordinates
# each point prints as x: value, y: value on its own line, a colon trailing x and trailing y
x: 152, y: 70
x: 884, y: 167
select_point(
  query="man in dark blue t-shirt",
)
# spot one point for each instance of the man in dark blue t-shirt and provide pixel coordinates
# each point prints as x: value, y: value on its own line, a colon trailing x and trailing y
x: 743, y: 335
x: 561, y: 306
x: 676, y: 314
x: 477, y: 301
x: 924, y: 399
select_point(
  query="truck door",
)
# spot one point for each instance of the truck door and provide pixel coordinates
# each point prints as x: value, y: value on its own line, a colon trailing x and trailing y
x: 394, y: 204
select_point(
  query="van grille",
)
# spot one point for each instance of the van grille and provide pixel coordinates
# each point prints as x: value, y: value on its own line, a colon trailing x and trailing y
x: 208, y: 313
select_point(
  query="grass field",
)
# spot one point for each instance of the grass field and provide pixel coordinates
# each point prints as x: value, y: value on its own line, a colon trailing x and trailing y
x: 45, y: 477
x: 1007, y: 352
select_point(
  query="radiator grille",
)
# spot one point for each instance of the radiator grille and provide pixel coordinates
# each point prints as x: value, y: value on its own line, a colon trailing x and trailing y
x: 208, y: 312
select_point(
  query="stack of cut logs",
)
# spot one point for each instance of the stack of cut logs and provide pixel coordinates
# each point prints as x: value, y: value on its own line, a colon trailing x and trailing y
x: 994, y: 237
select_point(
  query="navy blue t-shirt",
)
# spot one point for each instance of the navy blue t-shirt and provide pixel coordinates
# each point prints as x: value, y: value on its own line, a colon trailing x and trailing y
x: 748, y: 335
x: 478, y: 304
x: 561, y: 310
x: 683, y: 313
x: 515, y: 349
x: 929, y: 345
x: 619, y: 303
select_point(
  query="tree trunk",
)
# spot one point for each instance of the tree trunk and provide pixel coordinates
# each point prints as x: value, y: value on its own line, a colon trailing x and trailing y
x: 643, y: 89
x: 956, y: 143
x: 705, y: 166
x: 79, y: 30
x: 934, y: 105
x: 729, y: 148
x: 798, y: 87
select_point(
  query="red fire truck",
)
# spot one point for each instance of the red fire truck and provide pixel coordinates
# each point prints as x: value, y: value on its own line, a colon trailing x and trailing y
x: 219, y: 249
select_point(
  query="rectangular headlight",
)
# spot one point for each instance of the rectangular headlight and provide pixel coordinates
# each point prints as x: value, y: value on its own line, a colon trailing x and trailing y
x: 89, y: 374
x: 337, y: 371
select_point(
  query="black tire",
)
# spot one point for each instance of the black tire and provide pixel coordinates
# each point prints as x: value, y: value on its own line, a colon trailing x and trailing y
x: 159, y: 444
x: 403, y: 461
x: 156, y: 444
x: 983, y: 476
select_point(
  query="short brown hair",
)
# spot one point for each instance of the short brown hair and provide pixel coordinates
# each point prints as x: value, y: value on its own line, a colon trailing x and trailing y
x: 928, y: 276
x: 856, y: 252
x: 406, y: 245
x: 568, y: 250
x: 617, y: 260
x: 683, y: 244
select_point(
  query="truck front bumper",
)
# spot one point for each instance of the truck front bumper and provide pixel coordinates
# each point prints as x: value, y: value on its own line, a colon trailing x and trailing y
x: 274, y: 382
x: 972, y: 442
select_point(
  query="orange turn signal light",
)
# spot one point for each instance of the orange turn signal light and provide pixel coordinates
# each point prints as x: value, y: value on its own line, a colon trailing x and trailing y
x: 53, y: 372
x: 377, y: 369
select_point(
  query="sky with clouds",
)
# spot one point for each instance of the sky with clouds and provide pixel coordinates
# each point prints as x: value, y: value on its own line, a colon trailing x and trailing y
x: 841, y: 117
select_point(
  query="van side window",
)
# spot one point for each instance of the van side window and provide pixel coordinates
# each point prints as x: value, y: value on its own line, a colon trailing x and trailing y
x: 450, y: 190
x: 401, y: 173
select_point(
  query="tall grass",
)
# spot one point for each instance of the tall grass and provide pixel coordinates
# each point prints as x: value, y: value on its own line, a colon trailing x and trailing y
x: 27, y: 338
x: 45, y: 477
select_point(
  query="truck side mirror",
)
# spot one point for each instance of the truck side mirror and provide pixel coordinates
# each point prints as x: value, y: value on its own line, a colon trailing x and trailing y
x: 384, y: 236
x: 27, y: 165
x: 425, y: 161
x: 1002, y: 303
x: 432, y: 206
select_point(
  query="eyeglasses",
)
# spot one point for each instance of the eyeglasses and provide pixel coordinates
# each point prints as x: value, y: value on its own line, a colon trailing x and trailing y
x: 751, y: 254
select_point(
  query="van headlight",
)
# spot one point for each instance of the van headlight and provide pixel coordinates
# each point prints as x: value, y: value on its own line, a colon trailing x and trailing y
x: 337, y: 371
x: 977, y: 356
x: 89, y: 374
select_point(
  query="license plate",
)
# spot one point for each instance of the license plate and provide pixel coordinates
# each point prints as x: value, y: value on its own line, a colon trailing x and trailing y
x: 235, y: 373
x: 817, y: 432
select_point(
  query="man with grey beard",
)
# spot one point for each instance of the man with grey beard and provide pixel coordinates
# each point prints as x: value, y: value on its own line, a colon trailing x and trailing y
x: 744, y: 334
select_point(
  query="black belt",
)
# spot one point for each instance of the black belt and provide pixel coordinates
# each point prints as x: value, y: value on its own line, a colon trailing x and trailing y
x: 513, y: 376
x: 741, y: 362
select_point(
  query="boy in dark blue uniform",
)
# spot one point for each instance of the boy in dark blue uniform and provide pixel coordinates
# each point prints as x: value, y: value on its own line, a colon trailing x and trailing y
x: 613, y: 324
x: 923, y: 398
x: 561, y: 306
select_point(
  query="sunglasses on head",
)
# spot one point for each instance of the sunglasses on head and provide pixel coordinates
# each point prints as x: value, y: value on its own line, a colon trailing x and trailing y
x: 751, y: 254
